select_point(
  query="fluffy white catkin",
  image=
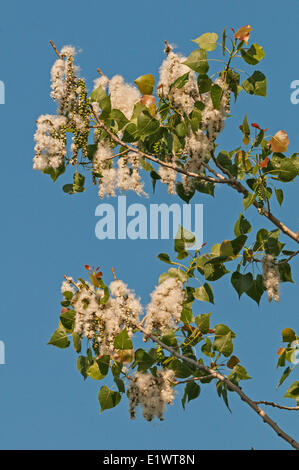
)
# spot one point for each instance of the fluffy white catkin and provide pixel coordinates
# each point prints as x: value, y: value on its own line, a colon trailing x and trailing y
x: 165, y: 308
x: 151, y: 393
x: 271, y: 277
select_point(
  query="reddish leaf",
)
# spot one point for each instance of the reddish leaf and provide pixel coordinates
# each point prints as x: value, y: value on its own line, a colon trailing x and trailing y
x: 243, y: 33
x: 264, y: 163
x: 279, y: 142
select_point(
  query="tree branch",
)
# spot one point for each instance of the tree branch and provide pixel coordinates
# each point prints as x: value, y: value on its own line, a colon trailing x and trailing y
x: 234, y: 183
x: 271, y: 403
x: 230, y: 385
x: 231, y: 181
x: 118, y: 141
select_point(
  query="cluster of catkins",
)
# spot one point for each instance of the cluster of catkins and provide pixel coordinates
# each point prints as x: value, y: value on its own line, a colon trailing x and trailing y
x: 125, y: 176
x: 165, y: 308
x: 151, y: 393
x: 73, y: 114
x: 271, y: 277
x: 70, y: 93
x: 200, y: 143
x: 101, y: 323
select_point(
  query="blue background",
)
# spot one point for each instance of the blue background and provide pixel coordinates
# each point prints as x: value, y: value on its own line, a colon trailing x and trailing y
x: 44, y: 402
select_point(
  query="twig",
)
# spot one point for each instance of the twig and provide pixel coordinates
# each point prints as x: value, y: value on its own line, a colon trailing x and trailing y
x: 193, y: 379
x: 271, y: 403
x: 55, y: 49
x: 114, y: 275
x: 289, y: 258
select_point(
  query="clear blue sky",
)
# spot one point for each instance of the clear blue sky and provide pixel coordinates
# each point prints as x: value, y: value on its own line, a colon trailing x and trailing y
x: 44, y: 403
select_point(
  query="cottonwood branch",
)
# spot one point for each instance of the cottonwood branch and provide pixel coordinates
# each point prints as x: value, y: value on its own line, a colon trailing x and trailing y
x: 220, y: 179
x: 229, y: 384
x: 118, y: 141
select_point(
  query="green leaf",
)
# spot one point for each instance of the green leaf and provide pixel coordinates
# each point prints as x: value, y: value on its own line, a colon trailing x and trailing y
x: 204, y: 293
x: 165, y: 258
x: 238, y: 243
x: 207, y: 41
x: 83, y: 364
x: 223, y: 340
x: 242, y: 226
x: 197, y: 61
x: 122, y: 340
x: 76, y: 342
x: 68, y: 319
x: 233, y: 81
x: 68, y: 295
x: 204, y: 83
x: 246, y: 130
x: 94, y: 372
x: 54, y: 173
x: 68, y: 188
x: 147, y: 124
x: 279, y: 196
x: 282, y: 359
x: 256, y: 84
x: 181, y: 369
x: 120, y: 384
x: 203, y: 322
x: 181, y: 81
x: 222, y: 393
x: 249, y: 200
x: 205, y: 187
x: 257, y: 289
x: 144, y: 360
x: 285, y: 272
x: 103, y: 364
x: 285, y: 169
x: 119, y: 118
x: 207, y: 348
x: 130, y: 133
x: 170, y: 340
x: 241, y: 282
x: 215, y: 271
x: 241, y: 372
x: 253, y: 55
x: 59, y: 339
x: 187, y: 315
x: 108, y: 399
x: 183, y: 194
x: 216, y: 95
x: 293, y: 391
x: 192, y: 391
x: 284, y: 376
x: 145, y: 84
